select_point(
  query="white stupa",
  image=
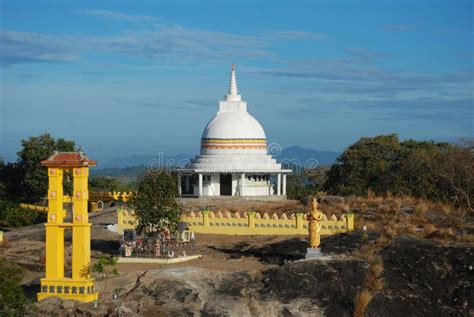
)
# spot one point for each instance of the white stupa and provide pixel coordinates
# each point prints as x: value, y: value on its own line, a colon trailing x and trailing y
x: 233, y: 159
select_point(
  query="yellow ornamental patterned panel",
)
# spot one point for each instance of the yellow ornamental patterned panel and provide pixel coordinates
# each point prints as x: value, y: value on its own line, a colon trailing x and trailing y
x: 250, y: 224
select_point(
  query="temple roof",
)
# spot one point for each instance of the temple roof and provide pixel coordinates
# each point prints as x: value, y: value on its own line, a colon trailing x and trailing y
x: 68, y: 159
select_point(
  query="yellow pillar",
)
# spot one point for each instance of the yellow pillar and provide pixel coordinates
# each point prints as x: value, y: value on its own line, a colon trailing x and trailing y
x: 119, y: 221
x: 55, y: 195
x: 251, y: 219
x: 350, y: 222
x: 81, y: 229
x: 205, y: 218
x: 55, y: 233
x: 299, y: 220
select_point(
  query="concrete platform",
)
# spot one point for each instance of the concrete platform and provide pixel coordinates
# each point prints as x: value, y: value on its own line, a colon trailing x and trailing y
x: 159, y: 260
x: 230, y: 198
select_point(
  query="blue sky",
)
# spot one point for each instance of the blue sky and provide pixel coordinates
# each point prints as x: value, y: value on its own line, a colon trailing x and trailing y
x: 142, y: 77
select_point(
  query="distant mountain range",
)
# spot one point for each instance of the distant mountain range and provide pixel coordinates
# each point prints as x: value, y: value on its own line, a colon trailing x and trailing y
x: 146, y: 160
x: 294, y: 155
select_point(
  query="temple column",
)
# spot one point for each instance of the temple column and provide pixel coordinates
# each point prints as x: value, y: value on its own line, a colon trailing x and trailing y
x: 278, y: 184
x: 179, y: 185
x: 242, y: 181
x: 200, y: 184
x: 284, y: 184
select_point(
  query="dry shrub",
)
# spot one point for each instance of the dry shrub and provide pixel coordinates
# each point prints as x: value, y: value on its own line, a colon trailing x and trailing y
x: 428, y: 230
x: 374, y: 283
x: 444, y: 208
x: 442, y: 234
x: 362, y: 301
x: 409, y: 200
x: 384, y: 209
x: 372, y: 198
x: 371, y: 194
x: 466, y: 238
x: 390, y: 230
x: 412, y: 229
x: 359, y: 222
x: 376, y: 269
x: 342, y: 207
x: 395, y: 204
x: 421, y: 207
x: 382, y: 241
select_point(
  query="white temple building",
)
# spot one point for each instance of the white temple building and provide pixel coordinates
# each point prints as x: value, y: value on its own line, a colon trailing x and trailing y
x: 233, y: 159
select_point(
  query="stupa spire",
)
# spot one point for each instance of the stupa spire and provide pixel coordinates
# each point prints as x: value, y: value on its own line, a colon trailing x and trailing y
x: 233, y: 94
x: 233, y: 82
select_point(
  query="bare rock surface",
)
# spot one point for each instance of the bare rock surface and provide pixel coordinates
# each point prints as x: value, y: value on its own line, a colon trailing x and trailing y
x: 424, y: 278
x: 421, y: 279
x: 185, y: 291
x: 263, y: 276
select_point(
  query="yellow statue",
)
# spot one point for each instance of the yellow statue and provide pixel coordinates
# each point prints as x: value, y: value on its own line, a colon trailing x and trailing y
x: 314, y: 227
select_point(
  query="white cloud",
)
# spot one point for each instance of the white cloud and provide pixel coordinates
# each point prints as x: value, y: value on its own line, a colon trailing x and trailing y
x: 153, y: 40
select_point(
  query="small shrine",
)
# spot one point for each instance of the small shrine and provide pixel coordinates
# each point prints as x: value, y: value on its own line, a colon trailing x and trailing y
x: 79, y: 286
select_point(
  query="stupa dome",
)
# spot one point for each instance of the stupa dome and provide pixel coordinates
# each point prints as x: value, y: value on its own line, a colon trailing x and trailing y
x: 233, y: 125
x: 233, y: 130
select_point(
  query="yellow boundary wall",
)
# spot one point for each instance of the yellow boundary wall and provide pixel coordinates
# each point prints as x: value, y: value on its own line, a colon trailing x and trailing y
x: 249, y: 223
x: 34, y: 207
x: 110, y: 196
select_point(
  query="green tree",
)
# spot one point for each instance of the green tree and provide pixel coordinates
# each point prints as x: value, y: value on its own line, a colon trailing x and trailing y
x: 10, y: 182
x: 155, y: 202
x: 34, y: 177
x: 417, y: 169
x: 105, y: 266
x: 437, y: 171
x: 457, y: 177
x: 368, y: 163
x: 12, y: 298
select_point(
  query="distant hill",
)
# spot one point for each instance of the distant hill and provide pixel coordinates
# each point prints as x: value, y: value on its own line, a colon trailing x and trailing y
x: 146, y: 160
x: 126, y: 173
x: 300, y: 155
x: 132, y: 166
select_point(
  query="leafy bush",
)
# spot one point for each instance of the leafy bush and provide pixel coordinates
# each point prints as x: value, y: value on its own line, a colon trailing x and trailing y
x: 12, y: 298
x: 383, y: 164
x: 105, y: 266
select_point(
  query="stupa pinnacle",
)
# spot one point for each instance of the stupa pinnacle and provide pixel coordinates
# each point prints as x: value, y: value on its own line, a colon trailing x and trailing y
x: 233, y: 90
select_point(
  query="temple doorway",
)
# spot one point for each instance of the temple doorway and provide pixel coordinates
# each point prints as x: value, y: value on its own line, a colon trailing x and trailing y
x: 226, y: 184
